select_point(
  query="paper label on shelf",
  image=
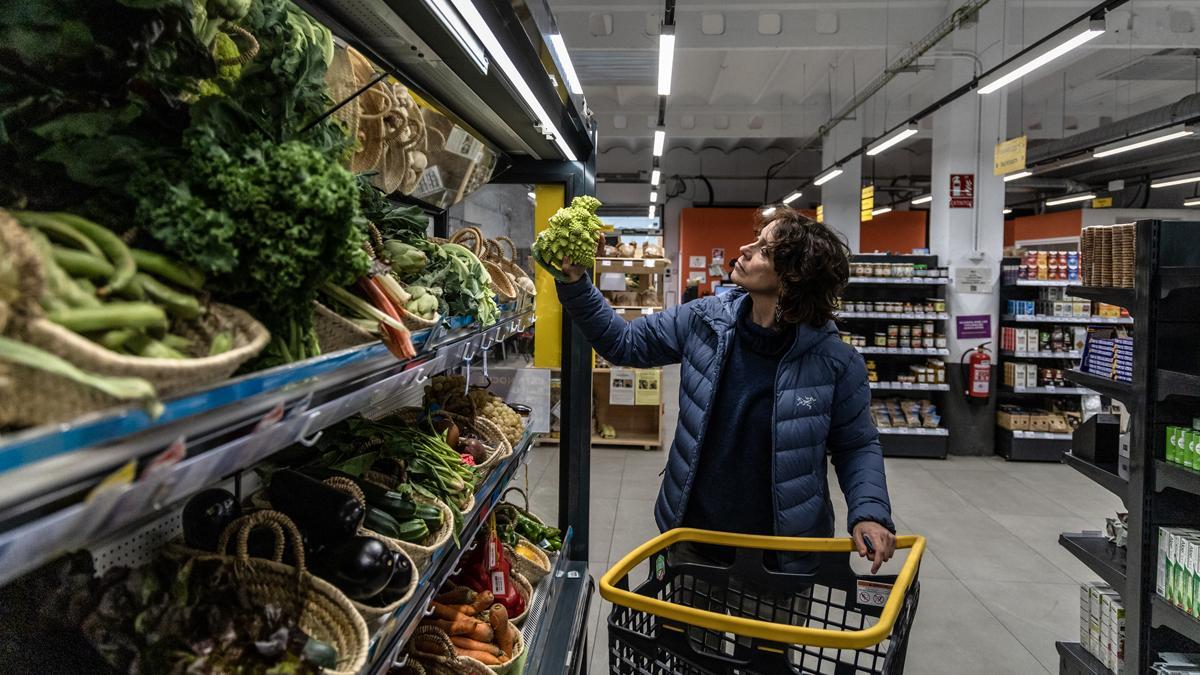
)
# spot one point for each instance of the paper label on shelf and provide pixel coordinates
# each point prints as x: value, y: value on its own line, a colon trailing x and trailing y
x: 463, y: 144
x: 647, y: 311
x: 626, y: 263
x: 498, y: 588
x: 606, y: 263
x: 649, y: 262
x: 429, y: 182
x: 648, y: 390
x: 621, y: 386
x: 908, y: 385
x: 872, y: 593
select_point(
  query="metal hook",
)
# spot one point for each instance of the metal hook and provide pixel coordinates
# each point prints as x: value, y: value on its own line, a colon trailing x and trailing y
x: 429, y: 610
x: 403, y: 660
x: 308, y: 422
x: 485, y: 367
x: 422, y: 375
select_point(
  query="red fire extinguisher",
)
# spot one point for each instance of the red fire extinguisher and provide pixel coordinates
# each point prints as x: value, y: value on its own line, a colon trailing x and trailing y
x: 977, y: 373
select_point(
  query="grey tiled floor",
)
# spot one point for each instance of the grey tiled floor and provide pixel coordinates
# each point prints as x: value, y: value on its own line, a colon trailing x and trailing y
x: 996, y: 589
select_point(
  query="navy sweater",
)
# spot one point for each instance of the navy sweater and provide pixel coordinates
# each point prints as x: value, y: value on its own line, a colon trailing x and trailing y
x: 733, y: 486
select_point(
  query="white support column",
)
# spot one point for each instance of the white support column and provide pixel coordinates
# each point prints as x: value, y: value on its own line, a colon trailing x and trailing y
x: 964, y: 136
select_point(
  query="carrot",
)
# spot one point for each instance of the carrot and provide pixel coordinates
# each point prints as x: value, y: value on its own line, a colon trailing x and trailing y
x: 483, y: 601
x: 457, y: 596
x: 483, y: 657
x: 451, y: 612
x: 476, y: 630
x: 498, y: 617
x: 474, y: 645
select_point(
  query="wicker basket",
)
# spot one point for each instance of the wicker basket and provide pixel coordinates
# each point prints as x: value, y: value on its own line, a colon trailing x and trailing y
x: 532, y: 571
x: 327, y: 614
x: 446, y: 655
x: 423, y: 552
x: 489, y: 434
x: 335, y: 333
x: 523, y: 510
x: 523, y: 280
x: 472, y: 239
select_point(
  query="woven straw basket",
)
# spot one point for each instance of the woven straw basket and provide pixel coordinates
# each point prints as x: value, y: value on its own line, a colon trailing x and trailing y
x: 441, y: 651
x: 326, y: 615
x: 533, y: 571
x: 35, y: 397
x: 508, y: 262
x: 335, y: 333
x: 472, y: 239
x: 423, y: 552
x: 489, y: 434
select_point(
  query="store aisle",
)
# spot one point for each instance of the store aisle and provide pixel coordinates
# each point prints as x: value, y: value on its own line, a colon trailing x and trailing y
x: 996, y: 591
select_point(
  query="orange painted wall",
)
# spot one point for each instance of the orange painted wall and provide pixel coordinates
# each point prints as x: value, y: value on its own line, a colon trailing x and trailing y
x: 1045, y: 226
x: 895, y: 232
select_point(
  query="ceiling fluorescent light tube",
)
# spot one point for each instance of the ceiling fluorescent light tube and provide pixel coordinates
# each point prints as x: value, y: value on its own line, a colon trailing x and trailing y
x: 1175, y: 180
x: 463, y: 35
x: 1017, y: 176
x: 660, y: 139
x: 655, y: 175
x: 1144, y: 140
x: 480, y: 26
x: 666, y: 60
x: 1043, y: 55
x: 828, y: 176
x: 1192, y: 202
x: 654, y: 195
x: 923, y: 199
x: 768, y: 211
x: 564, y: 62
x: 1069, y: 199
x: 1006, y: 211
x: 792, y: 197
x: 897, y: 136
x: 651, y: 210
x: 881, y: 210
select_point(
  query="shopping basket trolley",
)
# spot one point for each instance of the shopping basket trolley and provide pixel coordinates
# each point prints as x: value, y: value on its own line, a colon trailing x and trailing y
x: 739, y: 617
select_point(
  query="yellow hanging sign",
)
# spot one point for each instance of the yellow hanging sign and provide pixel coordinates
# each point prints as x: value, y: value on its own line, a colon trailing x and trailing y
x: 868, y: 203
x: 1102, y: 203
x: 820, y: 213
x: 1010, y: 156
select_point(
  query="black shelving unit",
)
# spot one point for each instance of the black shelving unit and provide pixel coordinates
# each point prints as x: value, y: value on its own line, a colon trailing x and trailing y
x: 1164, y: 392
x: 1103, y: 474
x: 1073, y: 659
x: 891, y: 361
x: 1101, y: 556
x: 1036, y: 448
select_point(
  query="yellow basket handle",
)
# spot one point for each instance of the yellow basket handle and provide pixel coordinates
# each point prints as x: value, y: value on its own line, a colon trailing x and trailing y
x: 765, y: 630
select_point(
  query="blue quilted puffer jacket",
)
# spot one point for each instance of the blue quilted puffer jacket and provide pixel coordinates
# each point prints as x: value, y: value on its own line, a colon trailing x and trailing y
x: 822, y: 402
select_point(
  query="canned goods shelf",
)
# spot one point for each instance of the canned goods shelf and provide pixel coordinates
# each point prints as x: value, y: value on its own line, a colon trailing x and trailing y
x: 904, y: 351
x: 1046, y: 318
x: 902, y: 281
x: 892, y: 316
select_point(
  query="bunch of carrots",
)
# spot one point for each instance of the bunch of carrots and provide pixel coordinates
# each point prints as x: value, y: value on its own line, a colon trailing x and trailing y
x: 478, y: 626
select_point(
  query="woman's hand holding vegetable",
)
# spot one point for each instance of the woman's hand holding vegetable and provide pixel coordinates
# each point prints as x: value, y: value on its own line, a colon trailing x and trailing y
x: 883, y: 543
x: 572, y: 271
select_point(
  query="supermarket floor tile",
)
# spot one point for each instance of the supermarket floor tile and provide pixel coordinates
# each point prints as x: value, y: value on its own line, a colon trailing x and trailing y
x: 1041, y: 534
x: 1038, y: 615
x: 1000, y: 493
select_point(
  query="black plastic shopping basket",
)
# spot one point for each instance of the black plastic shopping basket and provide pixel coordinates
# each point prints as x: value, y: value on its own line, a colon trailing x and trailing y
x: 693, y: 618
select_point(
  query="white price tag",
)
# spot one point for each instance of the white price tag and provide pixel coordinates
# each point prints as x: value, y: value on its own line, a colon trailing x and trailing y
x: 891, y: 350
x: 906, y: 350
x: 1050, y: 387
x: 909, y: 385
x: 901, y: 430
x: 627, y: 263
x: 647, y: 311
x: 606, y: 263
x: 648, y: 262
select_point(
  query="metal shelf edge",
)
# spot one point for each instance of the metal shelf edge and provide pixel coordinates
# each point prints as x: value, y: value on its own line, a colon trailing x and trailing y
x: 1107, y: 479
x: 1101, y: 557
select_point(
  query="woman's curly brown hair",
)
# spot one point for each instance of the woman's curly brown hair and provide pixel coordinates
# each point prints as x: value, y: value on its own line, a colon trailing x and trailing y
x: 813, y: 264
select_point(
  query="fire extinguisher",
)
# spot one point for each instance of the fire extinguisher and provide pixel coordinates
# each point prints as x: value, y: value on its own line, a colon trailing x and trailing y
x: 977, y: 374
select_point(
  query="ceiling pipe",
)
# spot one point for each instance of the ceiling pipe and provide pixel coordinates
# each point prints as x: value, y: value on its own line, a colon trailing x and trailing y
x: 1186, y: 109
x: 1065, y: 184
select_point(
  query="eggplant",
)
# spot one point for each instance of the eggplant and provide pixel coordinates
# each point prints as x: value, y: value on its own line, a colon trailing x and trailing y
x: 360, y: 567
x: 398, y: 586
x: 325, y: 514
x: 206, y: 516
x: 521, y: 409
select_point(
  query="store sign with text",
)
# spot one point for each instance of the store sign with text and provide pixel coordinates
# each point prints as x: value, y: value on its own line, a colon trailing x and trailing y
x: 971, y: 326
x: 868, y: 203
x: 1010, y: 156
x: 962, y: 190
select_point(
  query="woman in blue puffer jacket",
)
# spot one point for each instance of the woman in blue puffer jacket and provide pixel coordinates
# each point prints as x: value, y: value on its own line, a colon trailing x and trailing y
x: 766, y: 388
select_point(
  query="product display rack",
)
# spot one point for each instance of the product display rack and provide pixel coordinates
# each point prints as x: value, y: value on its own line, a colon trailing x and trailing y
x: 1157, y: 494
x: 1042, y: 447
x: 900, y: 442
x: 225, y: 431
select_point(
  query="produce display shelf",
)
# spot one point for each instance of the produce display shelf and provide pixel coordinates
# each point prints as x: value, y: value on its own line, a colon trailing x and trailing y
x: 1044, y: 283
x: 1175, y: 477
x: 1111, y: 295
x: 1165, y: 614
x: 556, y: 639
x: 631, y: 440
x: 1050, y: 389
x: 904, y: 316
x: 386, y: 645
x: 633, y: 265
x: 46, y: 441
x: 1122, y: 391
x: 1032, y: 446
x: 909, y: 386
x: 1046, y: 318
x: 913, y: 431
x: 47, y: 508
x: 904, y: 351
x: 903, y: 281
x: 1101, y: 556
x: 607, y: 261
x: 1103, y: 474
x: 1176, y: 383
x: 1073, y: 659
x: 1043, y: 355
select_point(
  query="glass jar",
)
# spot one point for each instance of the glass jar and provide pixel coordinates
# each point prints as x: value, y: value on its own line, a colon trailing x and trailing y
x: 905, y: 330
x: 939, y: 304
x: 892, y: 342
x: 881, y: 339
x: 917, y: 333
x: 939, y: 340
x: 927, y: 341
x: 893, y: 330
x: 929, y: 327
